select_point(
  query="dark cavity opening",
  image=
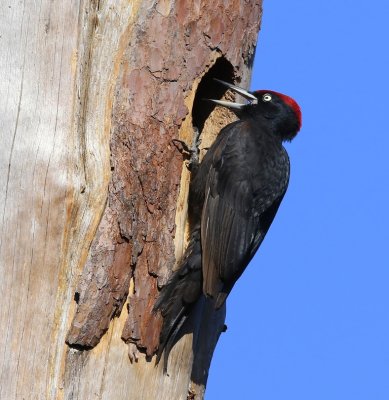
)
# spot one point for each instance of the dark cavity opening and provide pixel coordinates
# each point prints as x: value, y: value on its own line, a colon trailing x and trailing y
x: 77, y: 297
x: 210, y: 89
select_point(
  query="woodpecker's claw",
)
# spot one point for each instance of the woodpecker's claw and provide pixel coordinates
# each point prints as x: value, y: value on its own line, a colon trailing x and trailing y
x: 192, y: 152
x: 183, y: 148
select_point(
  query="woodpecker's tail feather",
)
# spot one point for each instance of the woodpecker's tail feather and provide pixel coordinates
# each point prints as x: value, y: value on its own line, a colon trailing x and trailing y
x: 178, y: 296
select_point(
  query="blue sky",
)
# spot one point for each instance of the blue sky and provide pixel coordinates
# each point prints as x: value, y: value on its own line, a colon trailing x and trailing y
x: 309, y: 319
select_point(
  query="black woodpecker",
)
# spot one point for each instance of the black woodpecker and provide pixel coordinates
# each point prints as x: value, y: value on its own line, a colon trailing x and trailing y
x: 234, y: 196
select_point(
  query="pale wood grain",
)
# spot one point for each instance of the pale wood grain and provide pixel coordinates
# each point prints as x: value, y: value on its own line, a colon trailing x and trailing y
x: 37, y: 42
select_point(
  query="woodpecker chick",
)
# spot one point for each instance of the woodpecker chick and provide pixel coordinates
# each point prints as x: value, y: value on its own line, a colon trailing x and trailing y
x: 233, y: 199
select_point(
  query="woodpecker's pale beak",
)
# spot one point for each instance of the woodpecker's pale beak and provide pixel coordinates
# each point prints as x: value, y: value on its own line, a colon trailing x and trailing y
x: 235, y: 106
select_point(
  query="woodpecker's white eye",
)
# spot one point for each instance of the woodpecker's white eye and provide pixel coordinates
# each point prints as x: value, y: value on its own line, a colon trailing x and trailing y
x: 266, y: 97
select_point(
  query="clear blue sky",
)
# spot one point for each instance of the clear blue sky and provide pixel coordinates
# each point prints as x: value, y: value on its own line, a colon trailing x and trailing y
x: 309, y: 319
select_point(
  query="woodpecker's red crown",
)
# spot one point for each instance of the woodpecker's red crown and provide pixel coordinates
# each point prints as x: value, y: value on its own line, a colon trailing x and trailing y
x: 291, y: 103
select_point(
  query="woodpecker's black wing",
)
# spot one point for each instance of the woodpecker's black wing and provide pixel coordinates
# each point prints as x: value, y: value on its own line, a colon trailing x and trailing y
x: 244, y: 187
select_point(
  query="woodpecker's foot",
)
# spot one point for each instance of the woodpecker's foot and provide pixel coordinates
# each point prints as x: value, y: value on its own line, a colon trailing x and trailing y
x: 182, y: 147
x: 191, y: 152
x: 194, y: 158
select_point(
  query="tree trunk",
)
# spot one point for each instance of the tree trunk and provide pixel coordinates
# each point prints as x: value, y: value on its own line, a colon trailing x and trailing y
x: 93, y: 199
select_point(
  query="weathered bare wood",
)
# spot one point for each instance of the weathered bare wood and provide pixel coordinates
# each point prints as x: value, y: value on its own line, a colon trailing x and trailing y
x: 93, y: 193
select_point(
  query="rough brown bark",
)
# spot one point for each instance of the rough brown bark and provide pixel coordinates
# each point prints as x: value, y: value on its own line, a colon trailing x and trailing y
x: 94, y: 195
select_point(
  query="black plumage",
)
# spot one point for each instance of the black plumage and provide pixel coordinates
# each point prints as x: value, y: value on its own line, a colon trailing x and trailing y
x: 234, y: 197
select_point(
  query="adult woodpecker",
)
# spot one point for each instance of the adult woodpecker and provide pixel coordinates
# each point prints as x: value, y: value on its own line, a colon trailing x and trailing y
x: 233, y: 199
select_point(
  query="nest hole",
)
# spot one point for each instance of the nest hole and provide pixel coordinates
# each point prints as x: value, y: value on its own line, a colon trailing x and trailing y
x: 210, y: 89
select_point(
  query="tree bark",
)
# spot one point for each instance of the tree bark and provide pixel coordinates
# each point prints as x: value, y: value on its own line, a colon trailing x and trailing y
x: 93, y: 198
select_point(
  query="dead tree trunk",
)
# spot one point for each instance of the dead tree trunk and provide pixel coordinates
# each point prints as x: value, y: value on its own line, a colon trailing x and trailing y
x: 93, y: 197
